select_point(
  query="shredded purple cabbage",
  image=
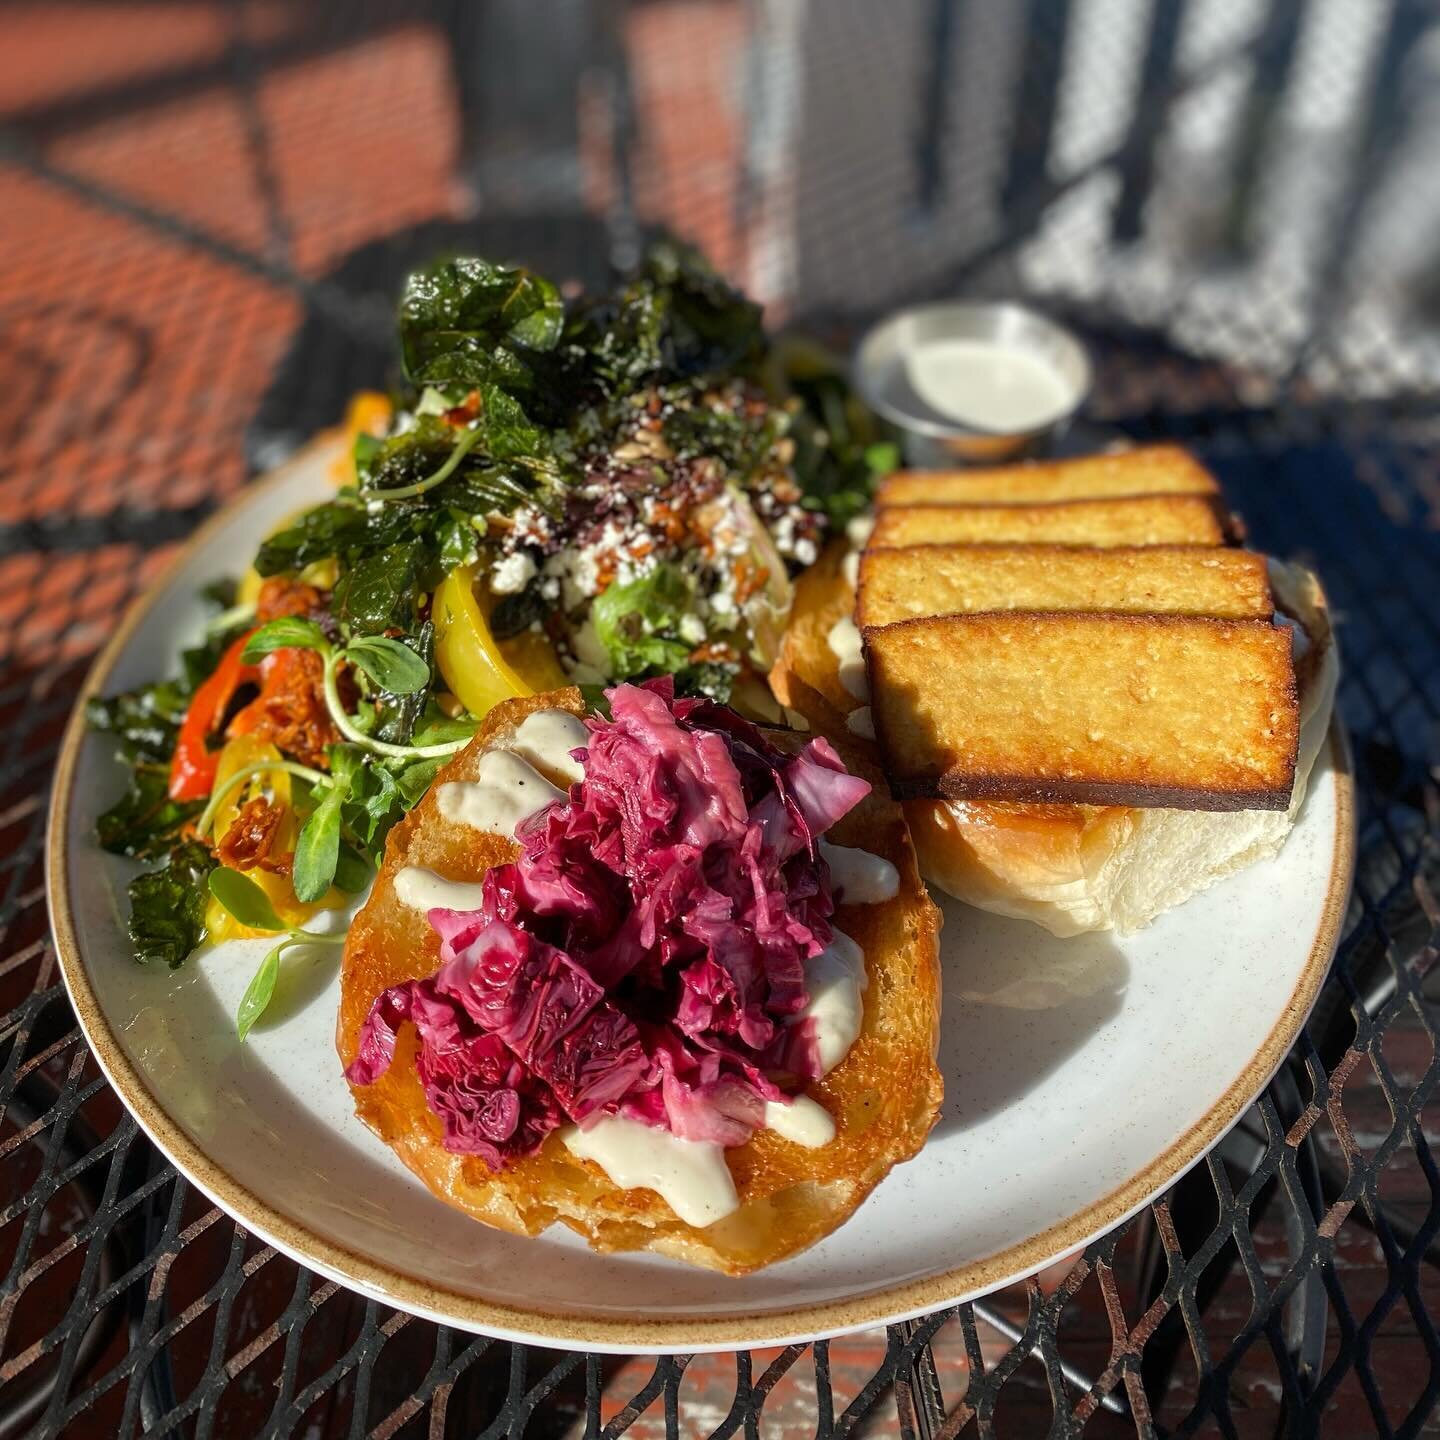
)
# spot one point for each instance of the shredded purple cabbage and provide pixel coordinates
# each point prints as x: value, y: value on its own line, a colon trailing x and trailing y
x: 646, y: 953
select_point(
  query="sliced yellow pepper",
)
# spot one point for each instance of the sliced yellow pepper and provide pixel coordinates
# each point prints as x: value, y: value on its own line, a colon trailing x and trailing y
x: 469, y: 657
x: 532, y: 657
x: 367, y: 414
x: 247, y: 592
x: 247, y: 750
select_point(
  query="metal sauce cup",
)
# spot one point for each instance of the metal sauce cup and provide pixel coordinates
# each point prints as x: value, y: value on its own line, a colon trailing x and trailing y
x: 972, y: 382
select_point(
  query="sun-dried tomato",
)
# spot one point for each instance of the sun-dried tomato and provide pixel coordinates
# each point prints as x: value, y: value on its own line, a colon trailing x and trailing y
x: 290, y: 710
x: 280, y: 597
x: 250, y: 840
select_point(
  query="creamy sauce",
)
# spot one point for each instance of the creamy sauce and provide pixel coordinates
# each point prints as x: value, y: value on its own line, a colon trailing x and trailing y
x: 861, y: 722
x: 803, y: 1121
x: 508, y: 791
x: 690, y: 1176
x: 844, y: 643
x: 859, y: 530
x: 987, y: 385
x: 863, y: 878
x: 546, y: 738
x: 836, y: 981
x: 850, y: 568
x: 424, y: 890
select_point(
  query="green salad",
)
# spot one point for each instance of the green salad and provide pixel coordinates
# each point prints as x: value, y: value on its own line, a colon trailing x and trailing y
x: 610, y: 489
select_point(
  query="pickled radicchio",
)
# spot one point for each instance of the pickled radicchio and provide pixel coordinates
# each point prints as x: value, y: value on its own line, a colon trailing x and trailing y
x: 645, y: 954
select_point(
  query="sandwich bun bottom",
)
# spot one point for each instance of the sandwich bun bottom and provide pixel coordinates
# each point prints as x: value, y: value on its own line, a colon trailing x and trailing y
x: 1075, y: 868
x: 884, y: 1096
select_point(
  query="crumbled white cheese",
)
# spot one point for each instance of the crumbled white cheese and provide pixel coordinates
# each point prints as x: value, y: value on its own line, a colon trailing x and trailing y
x: 589, y: 648
x: 692, y: 629
x: 513, y: 573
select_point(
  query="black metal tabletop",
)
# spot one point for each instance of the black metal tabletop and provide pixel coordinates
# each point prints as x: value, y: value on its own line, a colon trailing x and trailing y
x: 205, y: 210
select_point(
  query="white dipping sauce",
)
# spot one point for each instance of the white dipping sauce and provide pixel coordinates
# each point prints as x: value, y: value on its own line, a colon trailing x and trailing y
x: 803, y: 1121
x: 864, y: 879
x: 844, y: 643
x: 508, y: 791
x: 546, y: 738
x: 690, y: 1176
x: 850, y: 568
x: 987, y: 385
x: 424, y: 890
x: 836, y: 981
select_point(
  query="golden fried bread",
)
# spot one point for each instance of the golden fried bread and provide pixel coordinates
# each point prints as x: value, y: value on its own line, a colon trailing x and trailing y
x: 1146, y: 470
x: 805, y: 669
x: 884, y: 1096
x: 1160, y: 710
x: 1158, y: 579
x: 1141, y: 520
x: 1073, y: 868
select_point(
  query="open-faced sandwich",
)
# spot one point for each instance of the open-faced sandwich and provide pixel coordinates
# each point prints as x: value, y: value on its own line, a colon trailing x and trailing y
x: 661, y: 976
x: 1092, y: 706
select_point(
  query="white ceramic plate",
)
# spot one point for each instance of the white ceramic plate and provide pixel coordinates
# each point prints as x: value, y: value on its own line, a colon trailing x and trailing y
x: 1082, y: 1076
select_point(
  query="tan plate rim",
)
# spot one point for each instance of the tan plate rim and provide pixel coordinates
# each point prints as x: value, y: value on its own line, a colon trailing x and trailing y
x: 684, y: 1333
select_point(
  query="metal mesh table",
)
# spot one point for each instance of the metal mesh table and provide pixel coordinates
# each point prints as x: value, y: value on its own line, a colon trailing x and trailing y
x: 206, y: 210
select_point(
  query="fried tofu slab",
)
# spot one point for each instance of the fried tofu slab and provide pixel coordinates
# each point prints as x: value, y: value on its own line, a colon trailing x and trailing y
x: 923, y: 580
x: 1145, y: 470
x: 1156, y: 710
x: 1140, y: 520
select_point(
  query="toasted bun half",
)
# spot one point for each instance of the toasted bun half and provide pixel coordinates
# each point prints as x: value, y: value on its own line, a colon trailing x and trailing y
x: 884, y: 1096
x: 805, y: 669
x: 1073, y: 868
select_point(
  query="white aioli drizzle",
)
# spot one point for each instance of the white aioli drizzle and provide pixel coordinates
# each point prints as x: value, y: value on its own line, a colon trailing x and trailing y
x: 691, y: 1176
x: 508, y: 791
x: 844, y: 643
x: 850, y: 568
x: 864, y: 879
x: 803, y: 1121
x: 836, y: 981
x: 859, y: 530
x: 424, y: 890
x: 546, y: 737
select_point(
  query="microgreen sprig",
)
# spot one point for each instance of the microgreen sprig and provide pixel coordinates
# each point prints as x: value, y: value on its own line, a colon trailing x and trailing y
x: 389, y: 664
x: 246, y: 902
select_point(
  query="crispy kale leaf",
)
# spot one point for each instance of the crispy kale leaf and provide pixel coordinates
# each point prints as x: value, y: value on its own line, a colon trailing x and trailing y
x: 167, y: 906
x: 470, y: 322
x: 145, y: 822
x: 677, y: 318
x: 145, y: 721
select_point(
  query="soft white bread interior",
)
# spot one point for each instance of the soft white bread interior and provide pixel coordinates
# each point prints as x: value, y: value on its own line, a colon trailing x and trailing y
x: 1072, y: 868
